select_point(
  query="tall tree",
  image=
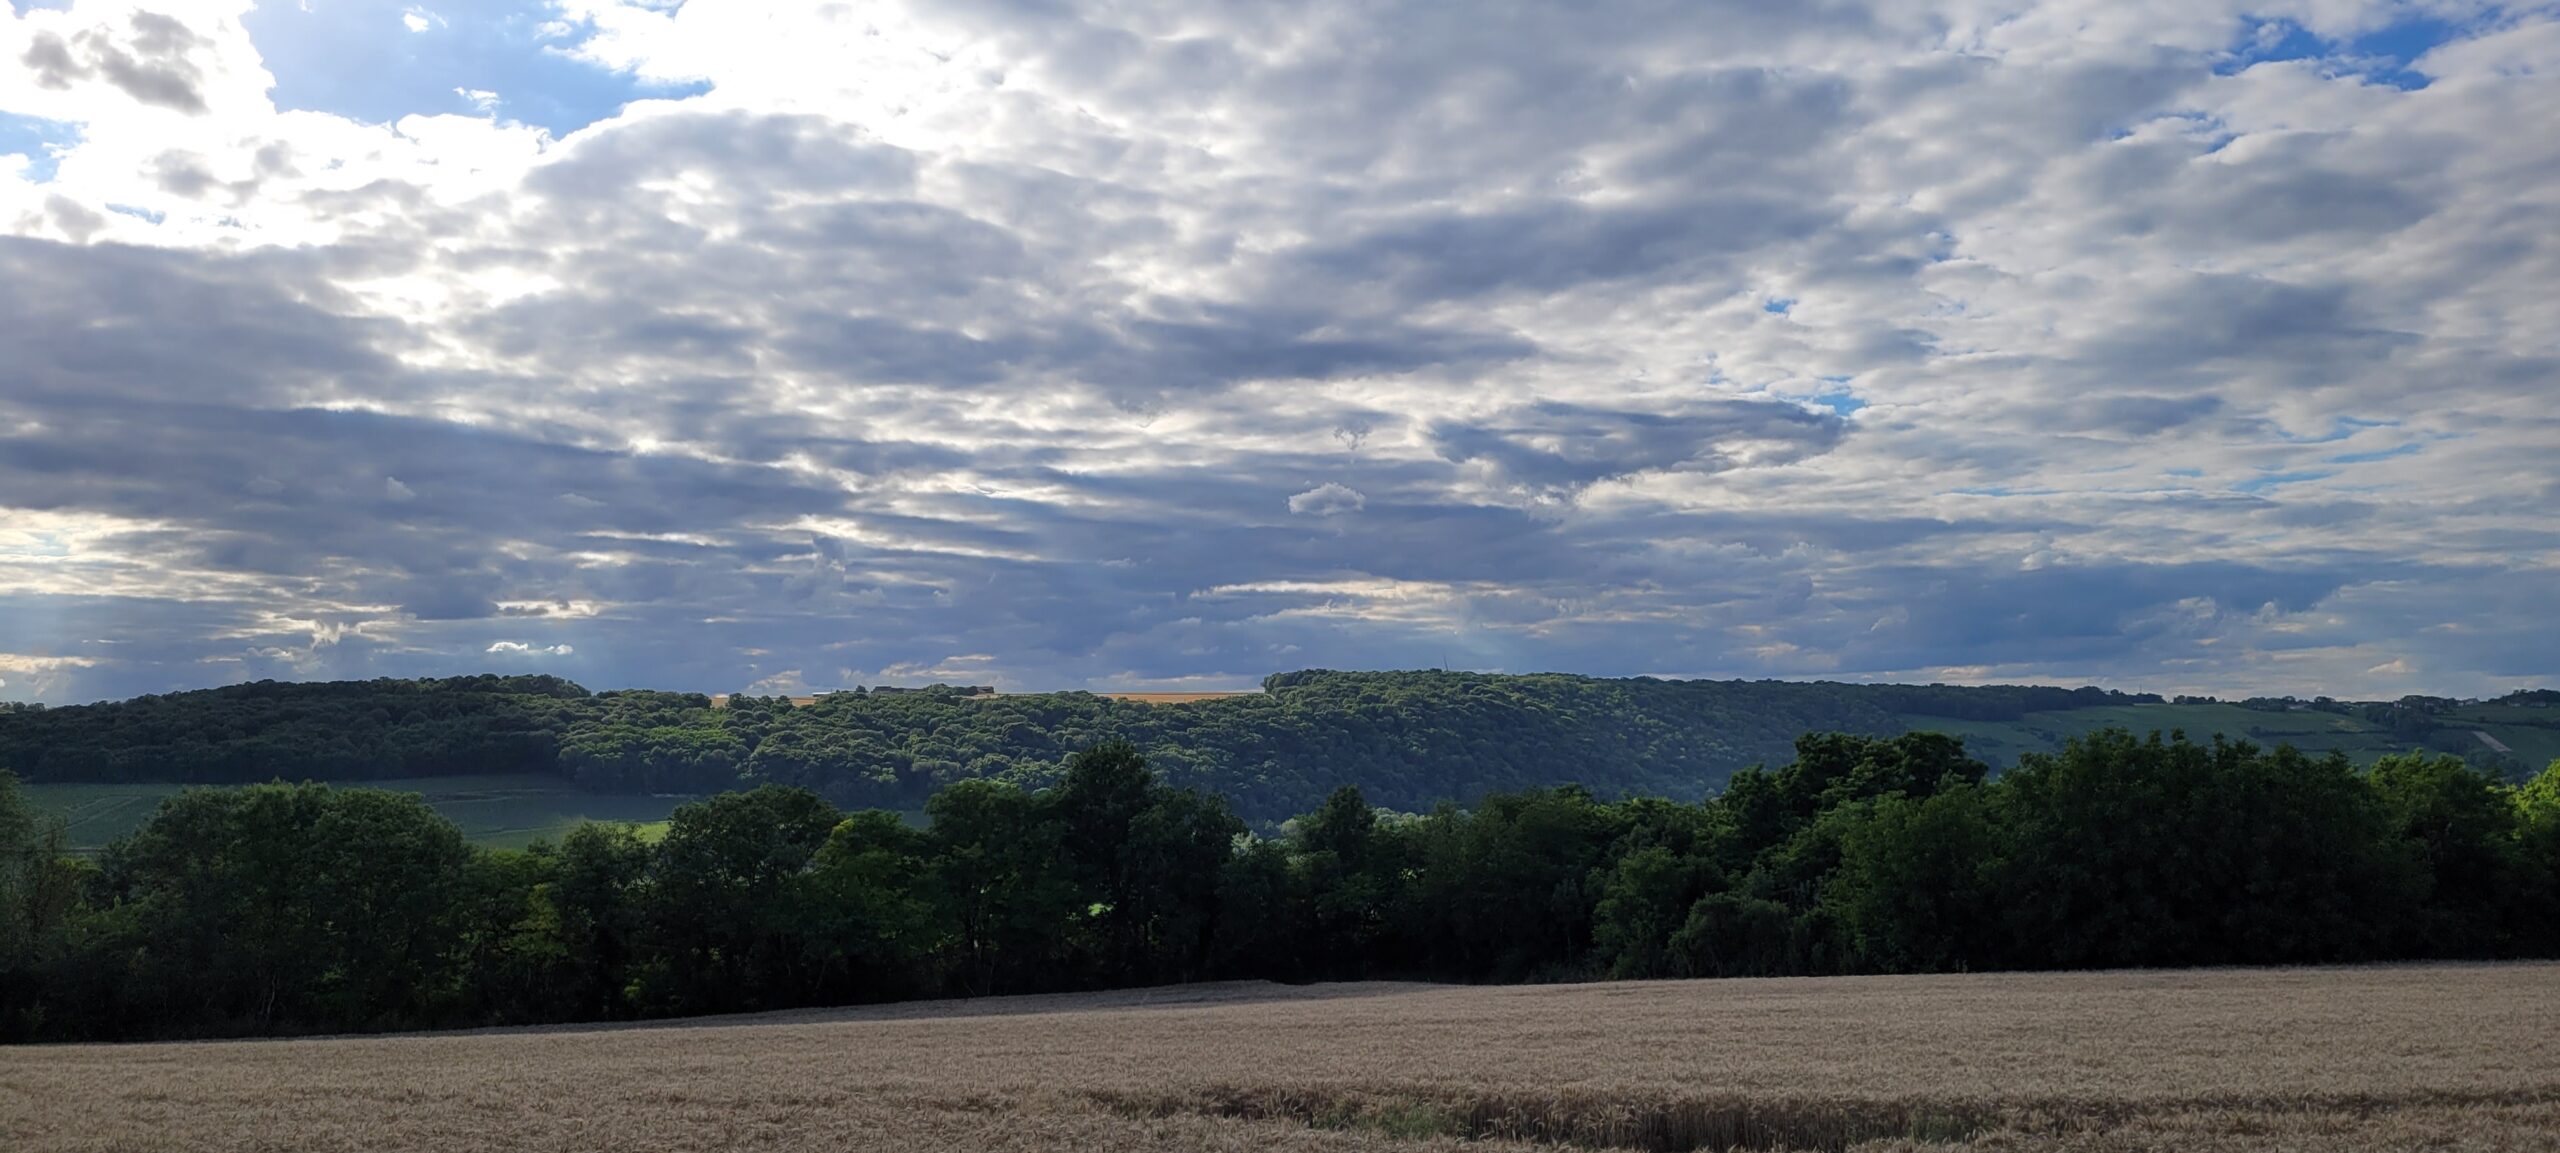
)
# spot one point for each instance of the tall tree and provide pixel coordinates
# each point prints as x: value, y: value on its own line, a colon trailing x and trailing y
x: 291, y: 907
x: 39, y: 894
x: 865, y: 910
x: 719, y: 923
x: 1005, y: 899
x: 2463, y: 825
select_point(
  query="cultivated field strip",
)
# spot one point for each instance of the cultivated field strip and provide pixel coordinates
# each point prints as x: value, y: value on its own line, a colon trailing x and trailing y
x: 2367, y: 1058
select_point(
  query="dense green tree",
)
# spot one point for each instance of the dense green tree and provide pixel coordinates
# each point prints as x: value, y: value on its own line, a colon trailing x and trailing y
x: 718, y: 924
x: 2463, y: 824
x: 866, y: 910
x: 289, y: 907
x: 282, y: 908
x: 515, y: 967
x: 2149, y: 852
x: 1728, y: 935
x: 1505, y: 891
x: 2536, y: 911
x: 1344, y: 827
x: 1005, y: 898
x: 1644, y: 901
x: 1917, y: 886
x: 1770, y: 812
x: 25, y: 849
x: 1260, y: 927
x: 1176, y: 848
x: 1105, y: 789
x: 594, y: 904
x: 39, y: 894
x: 1343, y: 892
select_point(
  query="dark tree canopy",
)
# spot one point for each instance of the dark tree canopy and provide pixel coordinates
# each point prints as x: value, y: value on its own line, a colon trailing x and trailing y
x: 301, y: 908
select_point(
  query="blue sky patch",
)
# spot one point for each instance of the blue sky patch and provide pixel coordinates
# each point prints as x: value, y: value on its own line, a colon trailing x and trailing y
x: 377, y: 61
x: 36, y: 138
x: 1837, y: 398
x: 2341, y: 429
x: 2382, y: 56
x: 2383, y: 454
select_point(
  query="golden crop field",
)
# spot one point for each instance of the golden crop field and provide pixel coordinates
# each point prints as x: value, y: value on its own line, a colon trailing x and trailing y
x: 2434, y: 1057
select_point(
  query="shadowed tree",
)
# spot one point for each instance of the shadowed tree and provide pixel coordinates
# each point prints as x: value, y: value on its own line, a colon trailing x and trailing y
x: 720, y: 927
x: 865, y: 910
x: 291, y: 907
x: 1004, y: 899
x: 2464, y: 825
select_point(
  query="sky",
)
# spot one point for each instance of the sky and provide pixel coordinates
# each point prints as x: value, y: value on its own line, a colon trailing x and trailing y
x: 2179, y: 346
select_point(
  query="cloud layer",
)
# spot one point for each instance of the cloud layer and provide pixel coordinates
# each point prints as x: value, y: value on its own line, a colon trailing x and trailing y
x: 2177, y: 346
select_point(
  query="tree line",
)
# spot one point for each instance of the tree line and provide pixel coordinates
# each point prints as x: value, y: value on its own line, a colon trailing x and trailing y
x: 1413, y: 739
x: 300, y: 908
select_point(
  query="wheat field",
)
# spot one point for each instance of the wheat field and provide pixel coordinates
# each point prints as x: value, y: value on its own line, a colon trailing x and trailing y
x: 2415, y: 1057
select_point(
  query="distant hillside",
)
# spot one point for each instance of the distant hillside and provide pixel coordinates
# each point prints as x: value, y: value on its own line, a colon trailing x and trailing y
x: 1410, y: 739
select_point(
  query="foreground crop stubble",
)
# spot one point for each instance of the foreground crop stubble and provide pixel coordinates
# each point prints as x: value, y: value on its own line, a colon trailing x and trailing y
x: 2378, y: 1058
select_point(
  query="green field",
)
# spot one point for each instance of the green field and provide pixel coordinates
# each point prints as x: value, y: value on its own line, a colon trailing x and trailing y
x: 2532, y: 731
x: 501, y: 812
x: 2533, y: 734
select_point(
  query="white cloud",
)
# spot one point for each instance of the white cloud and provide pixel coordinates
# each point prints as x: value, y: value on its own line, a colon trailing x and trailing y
x: 1328, y: 499
x: 957, y: 329
x: 520, y: 648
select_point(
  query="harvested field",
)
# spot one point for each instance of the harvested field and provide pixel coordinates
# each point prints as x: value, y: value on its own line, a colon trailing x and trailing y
x: 2443, y: 1057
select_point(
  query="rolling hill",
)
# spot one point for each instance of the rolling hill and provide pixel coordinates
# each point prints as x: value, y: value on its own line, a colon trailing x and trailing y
x: 1409, y: 739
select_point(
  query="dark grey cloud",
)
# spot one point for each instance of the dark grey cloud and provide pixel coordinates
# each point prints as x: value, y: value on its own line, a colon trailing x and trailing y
x: 114, y: 323
x: 2134, y: 414
x: 1558, y: 246
x: 1561, y: 447
x: 151, y: 62
x: 2072, y: 613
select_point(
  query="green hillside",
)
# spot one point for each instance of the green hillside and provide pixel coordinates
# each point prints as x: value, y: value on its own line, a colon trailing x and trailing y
x: 2531, y: 729
x: 2001, y: 742
x: 1411, y: 740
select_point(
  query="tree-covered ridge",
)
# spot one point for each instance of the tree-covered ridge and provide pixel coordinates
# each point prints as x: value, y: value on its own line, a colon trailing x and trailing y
x: 292, y: 908
x: 1412, y: 739
x: 1409, y: 739
x: 329, y: 731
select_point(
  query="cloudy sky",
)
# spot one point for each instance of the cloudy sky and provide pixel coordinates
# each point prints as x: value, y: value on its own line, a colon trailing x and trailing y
x: 2179, y: 345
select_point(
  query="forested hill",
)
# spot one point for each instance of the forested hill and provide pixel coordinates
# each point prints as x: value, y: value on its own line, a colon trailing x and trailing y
x: 1410, y: 739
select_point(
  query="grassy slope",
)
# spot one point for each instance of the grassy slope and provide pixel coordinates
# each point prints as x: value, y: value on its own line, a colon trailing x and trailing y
x: 2533, y: 732
x: 2002, y: 741
x: 504, y: 812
